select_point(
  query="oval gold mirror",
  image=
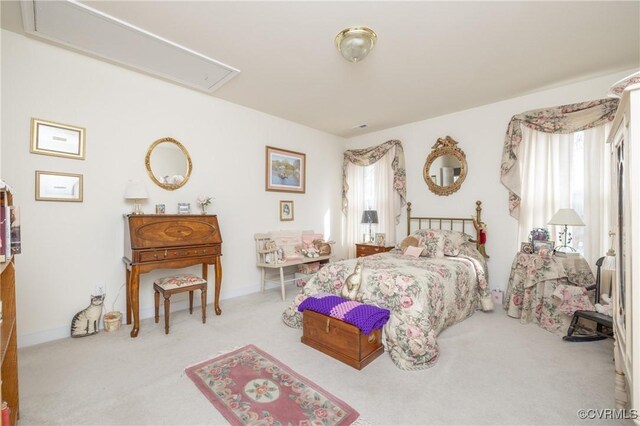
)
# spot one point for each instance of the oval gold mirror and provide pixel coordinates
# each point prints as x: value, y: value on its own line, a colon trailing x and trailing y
x: 446, y: 167
x: 168, y: 163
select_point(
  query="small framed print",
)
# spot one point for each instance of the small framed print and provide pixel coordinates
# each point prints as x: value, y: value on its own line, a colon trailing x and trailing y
x: 543, y: 247
x: 286, y: 210
x: 526, y: 248
x: 184, y: 208
x: 55, y: 186
x: 160, y: 209
x: 379, y: 241
x: 60, y: 140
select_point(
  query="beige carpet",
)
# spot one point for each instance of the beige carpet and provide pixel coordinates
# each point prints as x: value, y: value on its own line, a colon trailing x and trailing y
x: 492, y: 370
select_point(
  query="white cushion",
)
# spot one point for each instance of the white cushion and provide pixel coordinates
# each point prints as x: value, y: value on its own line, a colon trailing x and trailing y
x: 175, y: 281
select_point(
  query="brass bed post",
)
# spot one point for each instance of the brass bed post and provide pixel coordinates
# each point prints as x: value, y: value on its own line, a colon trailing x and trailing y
x: 408, y: 218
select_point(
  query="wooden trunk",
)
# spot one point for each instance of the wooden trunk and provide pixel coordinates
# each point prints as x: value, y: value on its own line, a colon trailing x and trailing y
x: 340, y: 340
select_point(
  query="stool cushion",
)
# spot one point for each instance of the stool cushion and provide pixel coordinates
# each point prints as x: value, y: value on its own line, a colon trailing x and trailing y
x: 175, y: 281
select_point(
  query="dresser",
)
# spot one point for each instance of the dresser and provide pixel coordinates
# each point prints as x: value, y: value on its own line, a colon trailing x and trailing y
x: 169, y: 242
x: 363, y: 250
x: 624, y: 213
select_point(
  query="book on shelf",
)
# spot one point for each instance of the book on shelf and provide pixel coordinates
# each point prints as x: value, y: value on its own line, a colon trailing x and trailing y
x: 16, y: 243
x: 4, y: 256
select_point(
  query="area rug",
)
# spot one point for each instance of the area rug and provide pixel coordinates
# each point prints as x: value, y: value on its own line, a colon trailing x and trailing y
x: 249, y: 386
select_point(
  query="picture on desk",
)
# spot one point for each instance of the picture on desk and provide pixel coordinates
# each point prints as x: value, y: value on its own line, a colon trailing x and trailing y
x: 543, y: 247
x: 526, y: 248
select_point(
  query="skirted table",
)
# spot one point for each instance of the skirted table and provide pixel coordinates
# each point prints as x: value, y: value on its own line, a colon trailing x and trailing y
x: 548, y: 289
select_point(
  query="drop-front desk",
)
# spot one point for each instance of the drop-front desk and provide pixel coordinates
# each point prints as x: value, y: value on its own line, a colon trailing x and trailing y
x: 168, y: 242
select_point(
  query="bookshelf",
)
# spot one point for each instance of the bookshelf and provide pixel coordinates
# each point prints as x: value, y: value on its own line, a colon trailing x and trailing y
x: 8, y: 338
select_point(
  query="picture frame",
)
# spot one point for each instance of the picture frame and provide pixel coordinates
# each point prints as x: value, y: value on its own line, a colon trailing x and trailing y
x: 184, y: 208
x: 526, y: 248
x: 285, y: 171
x: 286, y: 211
x: 543, y: 247
x: 380, y: 237
x: 57, y: 139
x: 160, y: 209
x: 57, y: 186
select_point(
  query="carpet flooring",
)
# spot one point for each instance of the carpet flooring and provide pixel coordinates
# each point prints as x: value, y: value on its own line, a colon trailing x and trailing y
x: 492, y: 370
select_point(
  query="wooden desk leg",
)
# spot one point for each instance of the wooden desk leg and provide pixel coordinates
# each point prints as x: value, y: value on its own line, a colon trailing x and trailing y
x: 128, y: 290
x: 218, y: 284
x: 135, y: 299
x: 262, y: 279
x: 282, y: 282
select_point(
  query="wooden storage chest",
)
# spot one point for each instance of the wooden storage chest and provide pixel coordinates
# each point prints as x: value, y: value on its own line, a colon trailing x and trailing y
x: 340, y: 340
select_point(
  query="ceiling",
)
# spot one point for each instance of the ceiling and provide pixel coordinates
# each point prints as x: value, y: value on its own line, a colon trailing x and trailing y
x: 431, y: 58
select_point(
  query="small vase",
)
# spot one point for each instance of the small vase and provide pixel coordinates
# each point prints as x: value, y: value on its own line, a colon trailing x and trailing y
x: 203, y: 208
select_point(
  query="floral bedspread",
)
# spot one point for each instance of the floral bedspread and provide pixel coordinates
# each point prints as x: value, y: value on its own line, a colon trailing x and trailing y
x: 424, y: 295
x: 537, y: 289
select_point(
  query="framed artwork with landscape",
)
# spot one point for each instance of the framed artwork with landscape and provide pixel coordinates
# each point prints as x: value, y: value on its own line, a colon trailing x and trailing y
x: 285, y: 170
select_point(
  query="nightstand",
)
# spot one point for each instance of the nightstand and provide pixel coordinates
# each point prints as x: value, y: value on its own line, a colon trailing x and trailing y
x: 363, y: 250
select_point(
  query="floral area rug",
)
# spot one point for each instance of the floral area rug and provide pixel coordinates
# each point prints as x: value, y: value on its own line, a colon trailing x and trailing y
x: 250, y: 387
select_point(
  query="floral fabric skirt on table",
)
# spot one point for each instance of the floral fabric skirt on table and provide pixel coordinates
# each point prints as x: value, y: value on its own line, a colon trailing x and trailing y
x: 548, y: 290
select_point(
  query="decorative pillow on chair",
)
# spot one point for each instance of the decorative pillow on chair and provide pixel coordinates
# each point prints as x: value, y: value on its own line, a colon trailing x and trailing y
x: 175, y: 281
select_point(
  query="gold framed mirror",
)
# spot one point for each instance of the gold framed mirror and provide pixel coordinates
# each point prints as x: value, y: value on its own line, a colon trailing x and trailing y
x: 446, y: 167
x: 168, y: 163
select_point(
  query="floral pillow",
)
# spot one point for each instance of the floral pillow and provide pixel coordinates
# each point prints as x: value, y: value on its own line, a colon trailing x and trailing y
x: 573, y: 298
x: 452, y: 240
x: 432, y: 241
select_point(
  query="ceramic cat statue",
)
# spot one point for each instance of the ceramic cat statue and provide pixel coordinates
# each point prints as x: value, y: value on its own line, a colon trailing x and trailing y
x: 85, y: 322
x: 353, y: 281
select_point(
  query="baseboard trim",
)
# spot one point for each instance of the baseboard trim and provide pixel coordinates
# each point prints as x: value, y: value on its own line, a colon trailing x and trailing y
x: 31, y: 339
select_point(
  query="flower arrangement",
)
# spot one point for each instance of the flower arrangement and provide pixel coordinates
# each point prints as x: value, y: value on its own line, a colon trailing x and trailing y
x: 203, y: 202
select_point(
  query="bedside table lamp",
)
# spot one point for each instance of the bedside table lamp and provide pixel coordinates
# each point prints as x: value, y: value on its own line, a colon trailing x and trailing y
x: 369, y: 216
x: 136, y: 191
x: 566, y: 217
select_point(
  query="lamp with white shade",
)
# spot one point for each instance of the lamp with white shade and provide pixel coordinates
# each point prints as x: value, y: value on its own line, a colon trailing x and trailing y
x: 566, y: 218
x: 136, y: 191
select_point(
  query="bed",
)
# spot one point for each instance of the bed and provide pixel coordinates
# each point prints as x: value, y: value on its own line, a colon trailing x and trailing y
x: 424, y: 294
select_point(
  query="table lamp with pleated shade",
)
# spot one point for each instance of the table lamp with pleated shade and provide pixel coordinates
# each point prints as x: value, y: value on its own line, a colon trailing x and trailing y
x: 566, y: 218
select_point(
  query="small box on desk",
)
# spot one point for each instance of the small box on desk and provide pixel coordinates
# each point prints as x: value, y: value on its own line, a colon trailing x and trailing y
x: 340, y: 340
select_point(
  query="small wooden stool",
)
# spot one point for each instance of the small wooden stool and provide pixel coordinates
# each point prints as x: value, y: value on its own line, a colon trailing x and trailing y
x: 178, y: 284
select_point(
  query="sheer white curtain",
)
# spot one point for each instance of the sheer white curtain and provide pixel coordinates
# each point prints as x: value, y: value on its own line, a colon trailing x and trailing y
x: 566, y: 171
x: 371, y: 187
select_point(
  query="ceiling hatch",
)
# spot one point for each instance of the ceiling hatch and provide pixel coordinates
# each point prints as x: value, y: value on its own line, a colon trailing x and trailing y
x: 81, y: 27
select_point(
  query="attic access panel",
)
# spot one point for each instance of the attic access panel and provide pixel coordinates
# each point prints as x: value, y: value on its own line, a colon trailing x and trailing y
x: 83, y: 28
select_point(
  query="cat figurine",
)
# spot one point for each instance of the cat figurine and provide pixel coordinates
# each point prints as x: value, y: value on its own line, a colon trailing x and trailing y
x: 352, y: 283
x: 85, y: 322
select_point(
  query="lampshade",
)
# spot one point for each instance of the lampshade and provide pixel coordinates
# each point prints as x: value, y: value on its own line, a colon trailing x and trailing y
x: 136, y: 190
x: 369, y: 216
x: 355, y: 43
x: 566, y: 217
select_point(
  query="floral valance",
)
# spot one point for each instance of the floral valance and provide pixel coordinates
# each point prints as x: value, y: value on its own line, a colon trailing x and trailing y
x: 563, y: 119
x: 366, y: 157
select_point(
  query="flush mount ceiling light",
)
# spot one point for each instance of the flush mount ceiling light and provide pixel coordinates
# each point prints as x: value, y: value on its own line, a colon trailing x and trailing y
x: 355, y: 43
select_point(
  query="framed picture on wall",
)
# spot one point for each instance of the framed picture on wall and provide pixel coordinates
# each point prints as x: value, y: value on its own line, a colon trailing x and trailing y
x: 54, y: 186
x: 286, y: 210
x: 285, y: 171
x: 60, y: 140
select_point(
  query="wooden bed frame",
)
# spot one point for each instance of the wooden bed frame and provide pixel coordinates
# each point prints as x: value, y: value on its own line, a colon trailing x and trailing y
x: 453, y: 224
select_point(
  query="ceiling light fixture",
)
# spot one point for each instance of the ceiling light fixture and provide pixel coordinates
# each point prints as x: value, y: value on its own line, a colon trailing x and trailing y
x: 355, y: 43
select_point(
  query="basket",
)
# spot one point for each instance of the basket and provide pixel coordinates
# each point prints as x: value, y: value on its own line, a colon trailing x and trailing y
x: 112, y: 321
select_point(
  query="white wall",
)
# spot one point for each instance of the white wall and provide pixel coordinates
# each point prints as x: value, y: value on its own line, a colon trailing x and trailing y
x: 480, y: 133
x: 68, y: 248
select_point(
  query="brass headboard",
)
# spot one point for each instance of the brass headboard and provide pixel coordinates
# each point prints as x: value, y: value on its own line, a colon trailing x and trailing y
x: 453, y: 224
